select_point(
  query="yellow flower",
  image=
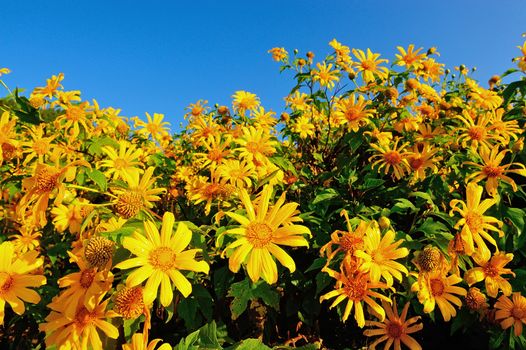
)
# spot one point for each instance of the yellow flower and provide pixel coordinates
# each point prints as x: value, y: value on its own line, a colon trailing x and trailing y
x: 159, y: 259
x: 79, y: 331
x: 140, y: 342
x: 511, y: 312
x: 245, y: 101
x: 304, y: 127
x: 394, y: 157
x: 53, y: 84
x: 261, y: 233
x: 74, y: 117
x: 28, y: 239
x: 236, y: 172
x: 394, y: 329
x: 256, y: 145
x: 430, y: 70
x: 8, y: 136
x: 298, y: 101
x: 378, y: 255
x: 368, y: 65
x: 476, y: 131
x: 325, y: 75
x: 84, y: 288
x: 16, y: 277
x: 124, y: 163
x: 71, y: 216
x: 46, y: 182
x: 217, y: 149
x: 278, y: 53
x: 357, y: 288
x: 486, y: 99
x: 421, y: 158
x: 353, y: 112
x: 493, y: 171
x: 154, y: 127
x: 37, y: 146
x: 508, y: 129
x: 346, y: 241
x: 490, y: 271
x: 521, y: 60
x: 4, y: 71
x: 409, y: 58
x: 474, y: 223
x: 139, y: 194
x: 440, y: 291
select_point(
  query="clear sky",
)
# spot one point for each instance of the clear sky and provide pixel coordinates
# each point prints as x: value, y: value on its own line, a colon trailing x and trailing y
x: 160, y: 56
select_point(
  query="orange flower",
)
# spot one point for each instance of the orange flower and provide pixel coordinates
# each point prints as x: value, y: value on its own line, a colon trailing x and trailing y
x: 357, y: 288
x: 394, y: 328
x: 493, y: 171
x: 490, y: 271
x: 511, y: 312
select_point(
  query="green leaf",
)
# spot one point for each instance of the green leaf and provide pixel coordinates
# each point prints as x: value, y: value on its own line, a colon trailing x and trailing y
x: 98, y: 177
x: 402, y: 206
x: 317, y: 264
x: 266, y: 293
x: 242, y: 293
x: 249, y: 344
x: 325, y: 194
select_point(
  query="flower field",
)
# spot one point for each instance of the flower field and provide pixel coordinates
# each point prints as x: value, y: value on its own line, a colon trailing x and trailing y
x: 384, y: 207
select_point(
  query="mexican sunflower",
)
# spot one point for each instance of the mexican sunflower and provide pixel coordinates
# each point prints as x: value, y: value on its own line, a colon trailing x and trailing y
x: 160, y: 259
x: 474, y: 223
x: 492, y: 171
x: 511, y: 312
x: 395, y: 328
x: 357, y: 288
x: 440, y: 291
x: 16, y: 278
x: 263, y: 229
x: 379, y: 254
x: 490, y: 271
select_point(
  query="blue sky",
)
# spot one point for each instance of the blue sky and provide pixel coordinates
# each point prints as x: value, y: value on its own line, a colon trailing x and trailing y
x: 160, y: 56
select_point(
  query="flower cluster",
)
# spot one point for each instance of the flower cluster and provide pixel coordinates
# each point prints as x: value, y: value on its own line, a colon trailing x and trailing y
x: 381, y: 181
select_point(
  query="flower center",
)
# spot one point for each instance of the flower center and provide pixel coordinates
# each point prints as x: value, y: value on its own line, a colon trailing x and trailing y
x: 215, y: 155
x: 162, y: 258
x: 120, y: 163
x: 6, y: 281
x: 490, y: 171
x: 353, y: 113
x: 83, y: 317
x: 86, y: 278
x: 356, y: 288
x: 490, y: 270
x: 429, y: 259
x: 129, y: 204
x: 416, y: 163
x: 394, y: 329
x: 349, y: 242
x: 259, y: 234
x: 368, y: 65
x: 437, y: 287
x: 254, y: 147
x: 476, y: 133
x: 8, y: 150
x: 45, y: 180
x: 74, y: 113
x: 474, y: 222
x: 99, y: 251
x: 129, y: 302
x: 392, y: 157
x: 40, y: 147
